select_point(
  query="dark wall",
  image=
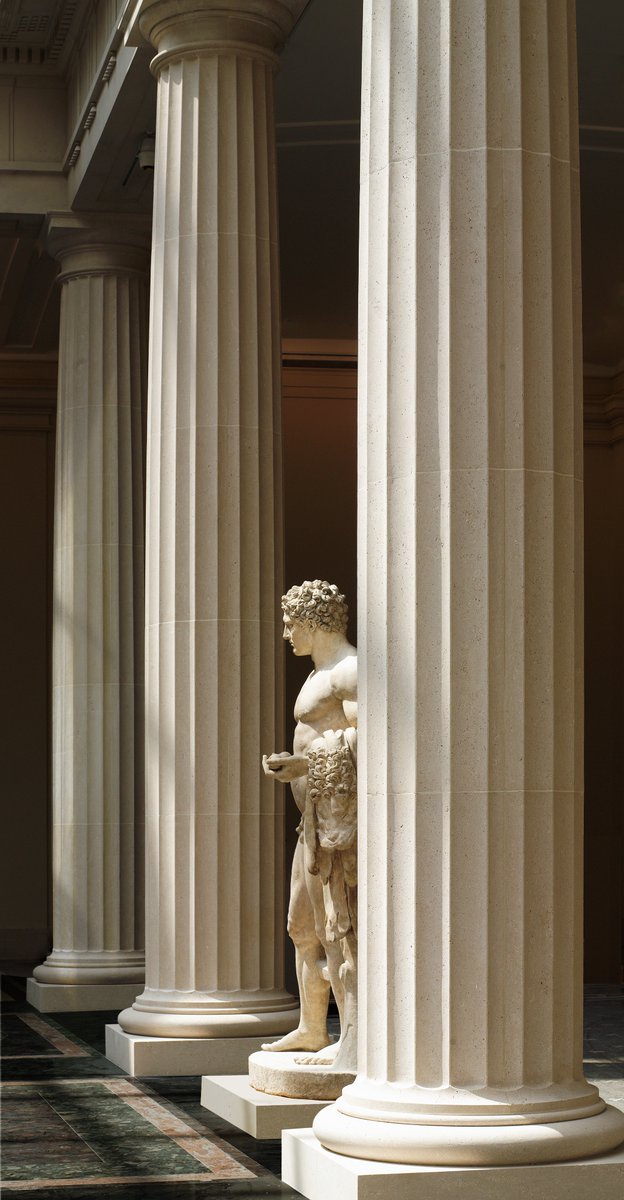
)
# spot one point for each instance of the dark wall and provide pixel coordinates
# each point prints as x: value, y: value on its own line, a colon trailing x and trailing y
x: 320, y: 478
x: 604, y: 712
x: 26, y: 465
x: 318, y: 142
x: 320, y: 496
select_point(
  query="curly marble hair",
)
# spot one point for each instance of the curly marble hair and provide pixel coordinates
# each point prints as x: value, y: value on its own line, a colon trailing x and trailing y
x: 318, y: 604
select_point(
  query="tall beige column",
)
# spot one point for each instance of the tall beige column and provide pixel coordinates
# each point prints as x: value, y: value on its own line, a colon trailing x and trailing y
x: 98, y: 959
x: 470, y: 753
x: 215, y: 922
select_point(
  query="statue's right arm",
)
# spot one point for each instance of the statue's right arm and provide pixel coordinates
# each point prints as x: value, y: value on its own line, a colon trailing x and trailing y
x: 285, y: 767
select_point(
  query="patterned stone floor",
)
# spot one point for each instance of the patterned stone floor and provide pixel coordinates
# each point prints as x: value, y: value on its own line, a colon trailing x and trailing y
x: 604, y: 1042
x: 75, y: 1127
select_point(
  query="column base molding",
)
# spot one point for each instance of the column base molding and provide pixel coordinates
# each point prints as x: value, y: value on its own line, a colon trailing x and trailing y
x: 319, y: 1174
x: 178, y: 1015
x: 257, y: 1113
x: 93, y: 967
x: 80, y: 997
x: 379, y: 1102
x: 140, y: 1055
x: 470, y: 1145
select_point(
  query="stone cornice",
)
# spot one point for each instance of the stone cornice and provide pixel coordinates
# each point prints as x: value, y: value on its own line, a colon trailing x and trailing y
x: 603, y: 409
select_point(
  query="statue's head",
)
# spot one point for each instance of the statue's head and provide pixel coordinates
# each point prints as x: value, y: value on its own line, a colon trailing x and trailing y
x: 317, y: 604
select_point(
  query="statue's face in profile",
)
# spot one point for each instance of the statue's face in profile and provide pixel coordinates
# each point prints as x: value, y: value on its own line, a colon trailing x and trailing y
x: 298, y: 635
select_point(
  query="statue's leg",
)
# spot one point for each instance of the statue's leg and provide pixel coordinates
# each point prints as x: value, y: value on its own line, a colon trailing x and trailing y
x: 311, y: 1033
x: 333, y: 952
x: 323, y: 900
x: 346, y: 1056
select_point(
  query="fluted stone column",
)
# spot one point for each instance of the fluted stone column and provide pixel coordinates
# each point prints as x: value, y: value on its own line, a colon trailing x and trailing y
x: 215, y: 921
x: 470, y: 750
x: 98, y: 959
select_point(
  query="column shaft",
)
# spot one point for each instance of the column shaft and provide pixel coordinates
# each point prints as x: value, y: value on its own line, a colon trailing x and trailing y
x: 214, y: 705
x: 98, y: 613
x: 470, y: 560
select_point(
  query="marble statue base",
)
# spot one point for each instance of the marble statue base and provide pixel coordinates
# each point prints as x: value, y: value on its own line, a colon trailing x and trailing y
x: 256, y: 1113
x: 320, y: 1174
x: 279, y: 1074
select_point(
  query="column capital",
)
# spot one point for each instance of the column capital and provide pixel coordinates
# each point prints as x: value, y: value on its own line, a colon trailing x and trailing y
x: 98, y: 243
x: 178, y: 28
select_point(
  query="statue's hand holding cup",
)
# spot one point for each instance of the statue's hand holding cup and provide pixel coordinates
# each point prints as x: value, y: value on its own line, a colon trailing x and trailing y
x: 285, y: 766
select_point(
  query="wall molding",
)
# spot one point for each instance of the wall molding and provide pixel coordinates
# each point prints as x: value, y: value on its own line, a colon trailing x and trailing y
x: 320, y: 350
x: 27, y: 389
x: 603, y: 408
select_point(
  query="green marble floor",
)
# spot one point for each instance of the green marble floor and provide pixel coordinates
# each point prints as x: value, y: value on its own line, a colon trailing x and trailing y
x: 75, y: 1127
x: 604, y: 1042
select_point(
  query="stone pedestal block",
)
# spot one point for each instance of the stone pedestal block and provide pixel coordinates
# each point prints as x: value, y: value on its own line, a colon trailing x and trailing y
x: 80, y: 997
x: 233, y: 1098
x: 176, y: 1055
x: 321, y: 1175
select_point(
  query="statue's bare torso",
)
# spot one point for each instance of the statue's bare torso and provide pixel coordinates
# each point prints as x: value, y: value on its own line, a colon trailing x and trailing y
x: 327, y: 700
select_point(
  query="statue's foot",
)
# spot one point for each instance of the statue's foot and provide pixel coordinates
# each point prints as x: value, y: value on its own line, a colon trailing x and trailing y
x: 325, y: 1057
x: 299, y: 1039
x: 313, y: 1060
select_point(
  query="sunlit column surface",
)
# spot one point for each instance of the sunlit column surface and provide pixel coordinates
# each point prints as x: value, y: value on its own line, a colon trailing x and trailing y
x: 98, y: 615
x: 215, y: 920
x: 470, y: 589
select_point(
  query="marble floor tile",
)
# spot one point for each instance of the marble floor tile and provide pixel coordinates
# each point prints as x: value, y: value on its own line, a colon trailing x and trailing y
x: 19, y: 1040
x: 28, y: 1035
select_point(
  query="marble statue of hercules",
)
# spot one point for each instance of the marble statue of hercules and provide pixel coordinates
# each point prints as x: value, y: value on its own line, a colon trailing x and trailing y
x: 321, y: 771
